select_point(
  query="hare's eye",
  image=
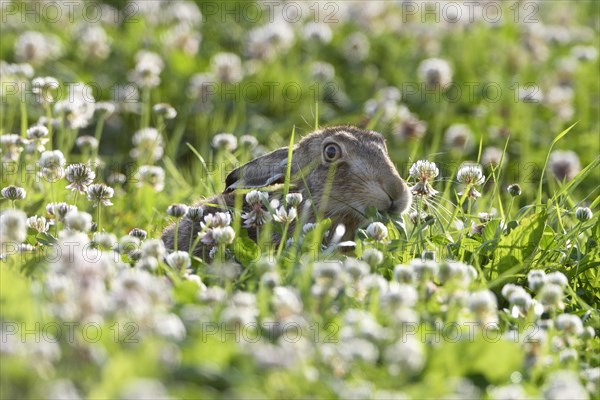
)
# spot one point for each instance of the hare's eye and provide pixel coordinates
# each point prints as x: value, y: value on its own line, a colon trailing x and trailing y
x: 332, y: 152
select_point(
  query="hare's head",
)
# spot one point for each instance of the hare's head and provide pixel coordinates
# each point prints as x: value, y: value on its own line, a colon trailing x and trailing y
x: 343, y: 170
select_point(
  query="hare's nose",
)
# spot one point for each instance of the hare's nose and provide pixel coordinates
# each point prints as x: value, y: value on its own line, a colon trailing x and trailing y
x: 400, y: 199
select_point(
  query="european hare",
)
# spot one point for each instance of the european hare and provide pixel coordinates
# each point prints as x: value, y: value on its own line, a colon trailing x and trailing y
x: 343, y: 170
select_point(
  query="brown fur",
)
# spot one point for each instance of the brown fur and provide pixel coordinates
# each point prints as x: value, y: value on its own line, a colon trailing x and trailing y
x: 341, y: 190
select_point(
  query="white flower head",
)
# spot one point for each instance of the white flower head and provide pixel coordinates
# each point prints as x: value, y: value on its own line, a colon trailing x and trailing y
x: 471, y: 174
x: 79, y: 177
x: 99, y: 193
x: 377, y: 231
x: 78, y: 221
x: 179, y: 260
x: 224, y: 141
x: 13, y: 224
x: 13, y: 193
x: 285, y: 216
x: 435, y: 72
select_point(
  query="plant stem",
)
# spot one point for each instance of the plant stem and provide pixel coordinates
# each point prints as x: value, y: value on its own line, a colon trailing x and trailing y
x: 98, y: 136
x: 176, y: 232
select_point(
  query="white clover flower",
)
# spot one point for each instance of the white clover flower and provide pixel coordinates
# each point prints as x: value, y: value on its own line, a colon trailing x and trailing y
x: 471, y: 174
x: 373, y: 257
x: 551, y: 296
x: 358, y: 349
x: 37, y: 132
x: 567, y: 356
x: 435, y: 72
x: 508, y: 289
x: 128, y: 244
x: 38, y: 224
x: 309, y: 226
x: 557, y: 278
x: 404, y: 274
x: 165, y: 110
x: 293, y: 199
x: 179, y: 260
x: 195, y: 213
x: 424, y: 171
x: 77, y: 109
x: 153, y: 176
x: 79, y: 221
x: 424, y: 270
x: 410, y: 127
x: 257, y: 197
x: 482, y: 301
x: 52, y: 159
x: 86, y: 143
x: 285, y: 216
x: 13, y: 224
x: 184, y: 38
x: 36, y: 47
x: 116, y: 178
x: 521, y: 300
x: 153, y: 248
x: 221, y: 235
x: 405, y: 357
x: 11, y: 146
x: 536, y: 279
x: 317, y: 32
x: 13, y: 193
x: 218, y: 219
x: 583, y: 214
x: 248, y: 142
x: 94, y: 43
x: 377, y: 231
x: 356, y: 268
x: 177, y: 210
x: 43, y: 87
x: 356, y: 47
x: 270, y: 279
x: 170, y: 327
x: 530, y: 94
x: 148, y: 144
x: 399, y: 295
x: 104, y: 109
x: 459, y: 137
x: 492, y: 156
x: 564, y: 384
x: 99, y: 193
x: 267, y: 41
x: 79, y: 177
x: 584, y: 53
x: 105, y: 240
x: 59, y: 210
x: 224, y: 141
x: 564, y: 164
x: 258, y: 215
x: 326, y: 270
x: 456, y: 272
x: 227, y: 67
x: 138, y: 233
x: 570, y: 324
x: 286, y: 302
x: 322, y: 71
x: 147, y: 70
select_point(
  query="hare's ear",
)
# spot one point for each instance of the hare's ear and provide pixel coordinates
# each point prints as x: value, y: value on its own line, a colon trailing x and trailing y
x: 263, y: 171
